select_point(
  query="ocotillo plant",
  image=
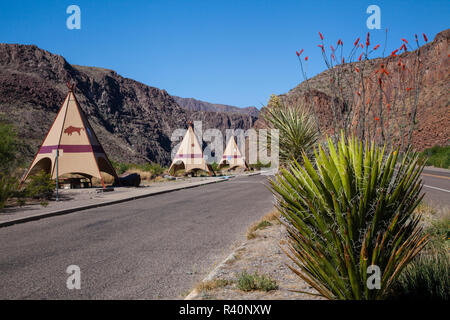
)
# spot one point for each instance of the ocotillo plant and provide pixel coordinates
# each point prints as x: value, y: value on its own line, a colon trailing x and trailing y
x: 367, y: 97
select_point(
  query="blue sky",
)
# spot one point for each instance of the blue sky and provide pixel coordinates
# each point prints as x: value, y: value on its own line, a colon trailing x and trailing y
x: 231, y: 52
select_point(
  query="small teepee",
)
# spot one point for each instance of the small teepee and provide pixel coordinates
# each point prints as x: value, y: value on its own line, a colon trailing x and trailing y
x: 189, y: 155
x: 232, y: 156
x: 72, y: 138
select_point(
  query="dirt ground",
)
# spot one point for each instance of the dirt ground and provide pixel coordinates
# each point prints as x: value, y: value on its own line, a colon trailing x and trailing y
x: 263, y: 255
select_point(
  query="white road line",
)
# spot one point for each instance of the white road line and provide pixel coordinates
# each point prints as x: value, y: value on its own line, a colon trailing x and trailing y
x: 445, y: 190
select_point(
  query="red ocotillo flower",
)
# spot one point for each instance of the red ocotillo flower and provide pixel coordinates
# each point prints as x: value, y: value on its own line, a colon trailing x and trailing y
x: 403, y: 47
x: 360, y: 56
x: 425, y: 37
x: 404, y: 40
x: 306, y: 58
x: 321, y: 36
x: 408, y: 89
x: 362, y: 47
x: 332, y: 48
x: 321, y: 46
x: 340, y: 42
x: 332, y: 56
x: 377, y: 119
x: 388, y: 106
x: 368, y: 41
x: 356, y: 42
x: 376, y: 47
x: 416, y: 36
x: 343, y: 60
x: 394, y: 52
x: 300, y: 52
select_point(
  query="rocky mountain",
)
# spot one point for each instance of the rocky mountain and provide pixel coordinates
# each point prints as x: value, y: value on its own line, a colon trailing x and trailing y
x: 192, y: 104
x: 133, y: 121
x: 433, y: 117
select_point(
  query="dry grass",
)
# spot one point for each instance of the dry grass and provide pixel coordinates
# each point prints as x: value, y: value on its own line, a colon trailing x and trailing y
x: 267, y: 220
x: 212, y: 284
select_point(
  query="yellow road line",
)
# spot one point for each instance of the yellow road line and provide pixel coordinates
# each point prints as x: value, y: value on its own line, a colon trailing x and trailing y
x: 436, y: 176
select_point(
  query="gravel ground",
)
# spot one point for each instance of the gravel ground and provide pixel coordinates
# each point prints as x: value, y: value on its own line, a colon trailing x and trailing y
x: 261, y: 254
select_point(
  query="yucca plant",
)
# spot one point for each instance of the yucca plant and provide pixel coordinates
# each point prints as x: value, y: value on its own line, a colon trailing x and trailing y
x: 354, y: 208
x: 298, y: 132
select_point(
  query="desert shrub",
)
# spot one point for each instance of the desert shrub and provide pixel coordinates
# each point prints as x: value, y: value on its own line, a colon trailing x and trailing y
x: 8, y: 147
x: 353, y: 209
x: 8, y: 187
x: 298, y: 132
x: 439, y: 232
x: 215, y: 166
x: 437, y: 156
x: 153, y: 168
x: 40, y: 186
x: 251, y: 282
x: 258, y: 165
x: 427, y: 277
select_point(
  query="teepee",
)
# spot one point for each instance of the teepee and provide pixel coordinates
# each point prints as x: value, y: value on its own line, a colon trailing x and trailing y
x: 73, y: 142
x: 189, y: 155
x: 232, y: 156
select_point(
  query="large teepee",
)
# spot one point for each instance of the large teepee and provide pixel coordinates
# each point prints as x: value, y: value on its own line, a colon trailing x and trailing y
x: 232, y: 156
x: 189, y: 155
x: 79, y: 150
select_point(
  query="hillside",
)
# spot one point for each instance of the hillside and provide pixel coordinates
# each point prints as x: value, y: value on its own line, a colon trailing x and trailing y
x: 192, y: 104
x: 433, y: 118
x: 133, y: 121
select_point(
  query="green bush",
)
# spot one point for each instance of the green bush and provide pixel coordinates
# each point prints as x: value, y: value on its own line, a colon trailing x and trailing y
x: 8, y: 187
x: 40, y: 186
x: 298, y: 131
x: 154, y: 168
x: 427, y: 277
x: 8, y: 148
x: 437, y: 156
x: 353, y: 209
x: 250, y: 282
x: 439, y: 232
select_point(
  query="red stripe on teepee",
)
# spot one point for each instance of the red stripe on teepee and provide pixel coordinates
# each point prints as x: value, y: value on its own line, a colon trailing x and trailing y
x: 75, y: 148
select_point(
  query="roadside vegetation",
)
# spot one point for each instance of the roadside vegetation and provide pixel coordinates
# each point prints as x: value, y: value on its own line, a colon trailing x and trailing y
x: 427, y: 277
x: 297, y: 130
x: 39, y: 187
x: 349, y: 211
x: 350, y: 202
x: 437, y: 156
x: 251, y: 282
x: 266, y: 221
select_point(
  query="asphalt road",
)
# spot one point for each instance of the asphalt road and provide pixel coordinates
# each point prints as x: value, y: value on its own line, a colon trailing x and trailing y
x: 152, y: 248
x: 436, y: 185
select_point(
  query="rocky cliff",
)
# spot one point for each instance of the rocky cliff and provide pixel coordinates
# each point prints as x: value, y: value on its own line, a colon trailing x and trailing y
x: 198, y: 105
x: 433, y: 117
x: 133, y: 121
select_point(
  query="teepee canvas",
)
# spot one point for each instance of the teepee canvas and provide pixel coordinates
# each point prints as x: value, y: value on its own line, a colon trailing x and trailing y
x: 79, y: 150
x: 189, y: 155
x: 232, y: 156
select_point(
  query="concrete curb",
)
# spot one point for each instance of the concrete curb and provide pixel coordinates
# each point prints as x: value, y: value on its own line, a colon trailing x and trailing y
x: 195, y: 293
x: 96, y: 205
